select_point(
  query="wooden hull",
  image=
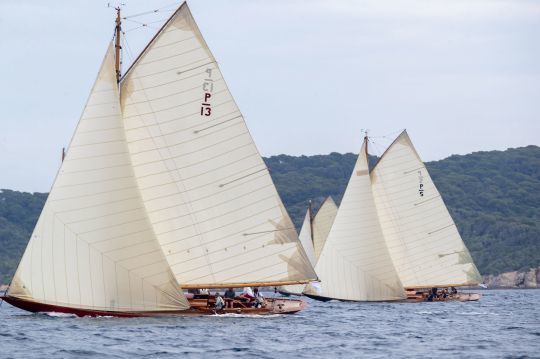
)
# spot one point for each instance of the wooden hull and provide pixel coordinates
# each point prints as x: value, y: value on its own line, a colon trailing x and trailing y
x: 198, y: 308
x: 460, y: 297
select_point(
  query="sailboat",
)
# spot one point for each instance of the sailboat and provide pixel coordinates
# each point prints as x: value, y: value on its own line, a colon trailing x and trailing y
x: 422, y: 238
x: 313, y: 234
x: 162, y: 189
x: 393, y: 237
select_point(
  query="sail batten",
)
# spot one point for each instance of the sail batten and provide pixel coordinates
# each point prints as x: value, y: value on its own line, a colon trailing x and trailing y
x: 422, y: 238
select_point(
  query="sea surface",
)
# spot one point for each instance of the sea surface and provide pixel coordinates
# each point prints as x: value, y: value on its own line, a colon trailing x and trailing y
x: 504, y: 324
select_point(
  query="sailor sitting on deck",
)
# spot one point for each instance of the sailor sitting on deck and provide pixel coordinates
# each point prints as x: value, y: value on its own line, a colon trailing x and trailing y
x: 259, y: 299
x: 220, y: 303
x: 229, y: 297
x: 247, y: 294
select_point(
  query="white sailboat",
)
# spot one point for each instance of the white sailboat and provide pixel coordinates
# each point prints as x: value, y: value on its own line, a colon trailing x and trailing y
x: 354, y: 264
x: 322, y: 222
x: 313, y: 234
x: 394, y: 214
x: 161, y: 189
x: 421, y: 236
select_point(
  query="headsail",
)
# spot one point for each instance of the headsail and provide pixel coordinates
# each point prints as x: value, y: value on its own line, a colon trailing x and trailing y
x: 206, y: 189
x: 93, y: 246
x: 322, y: 223
x: 354, y: 263
x: 422, y: 238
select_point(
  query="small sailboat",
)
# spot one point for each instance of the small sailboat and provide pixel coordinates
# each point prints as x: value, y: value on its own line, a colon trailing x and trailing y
x: 354, y: 264
x: 313, y: 234
x: 162, y: 189
x: 393, y: 237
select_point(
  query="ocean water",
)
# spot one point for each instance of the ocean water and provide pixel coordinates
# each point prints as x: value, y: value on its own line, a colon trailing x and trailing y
x: 504, y: 324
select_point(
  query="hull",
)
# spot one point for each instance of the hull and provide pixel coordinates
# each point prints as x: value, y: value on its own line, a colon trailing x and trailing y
x: 460, y: 297
x: 198, y: 308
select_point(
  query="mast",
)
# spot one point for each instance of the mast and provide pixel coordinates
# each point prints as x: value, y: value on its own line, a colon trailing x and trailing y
x: 311, y: 222
x: 117, y: 43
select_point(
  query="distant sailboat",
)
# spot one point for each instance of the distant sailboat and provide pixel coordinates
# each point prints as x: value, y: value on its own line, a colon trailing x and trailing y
x: 354, y: 263
x: 322, y: 222
x: 313, y: 234
x: 394, y: 228
x: 161, y: 189
x: 421, y: 236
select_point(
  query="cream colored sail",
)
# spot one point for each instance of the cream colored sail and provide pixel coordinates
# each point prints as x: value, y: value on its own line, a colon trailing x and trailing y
x: 93, y: 246
x: 354, y: 263
x: 307, y: 243
x: 206, y: 189
x: 422, y: 238
x: 306, y: 237
x: 322, y: 223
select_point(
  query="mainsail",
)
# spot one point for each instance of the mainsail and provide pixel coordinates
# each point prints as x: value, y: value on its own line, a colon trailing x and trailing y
x: 422, y: 238
x: 208, y: 194
x: 354, y: 263
x: 93, y: 246
x: 322, y: 223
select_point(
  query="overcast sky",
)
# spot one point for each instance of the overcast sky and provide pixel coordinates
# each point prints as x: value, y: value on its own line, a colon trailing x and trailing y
x: 309, y: 76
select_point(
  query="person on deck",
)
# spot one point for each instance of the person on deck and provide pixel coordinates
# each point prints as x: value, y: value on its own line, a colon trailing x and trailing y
x: 247, y: 293
x: 453, y: 291
x: 229, y: 297
x: 220, y: 303
x: 259, y: 299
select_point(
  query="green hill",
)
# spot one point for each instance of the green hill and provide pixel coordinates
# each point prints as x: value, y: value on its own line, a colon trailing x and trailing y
x: 493, y: 196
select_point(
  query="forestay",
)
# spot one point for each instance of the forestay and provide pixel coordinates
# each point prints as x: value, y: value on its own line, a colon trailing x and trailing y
x: 322, y: 223
x: 422, y: 238
x: 206, y: 189
x: 354, y: 263
x: 93, y: 246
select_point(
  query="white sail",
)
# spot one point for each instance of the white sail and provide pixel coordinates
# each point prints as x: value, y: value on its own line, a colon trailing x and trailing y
x: 354, y: 263
x: 421, y: 236
x: 93, y: 246
x: 206, y: 189
x: 322, y: 223
x: 307, y: 243
x: 306, y: 238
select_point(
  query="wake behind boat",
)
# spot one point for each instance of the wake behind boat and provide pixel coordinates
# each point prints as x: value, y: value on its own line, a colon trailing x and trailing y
x: 161, y: 189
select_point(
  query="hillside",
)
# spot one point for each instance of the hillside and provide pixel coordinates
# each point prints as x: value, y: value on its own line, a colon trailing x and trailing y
x: 493, y: 196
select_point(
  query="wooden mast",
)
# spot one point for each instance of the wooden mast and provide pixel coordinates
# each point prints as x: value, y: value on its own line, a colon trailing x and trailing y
x: 310, y: 209
x: 117, y: 43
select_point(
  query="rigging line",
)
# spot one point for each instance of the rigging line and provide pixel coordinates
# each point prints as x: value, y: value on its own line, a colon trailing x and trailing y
x: 161, y: 9
x: 274, y: 230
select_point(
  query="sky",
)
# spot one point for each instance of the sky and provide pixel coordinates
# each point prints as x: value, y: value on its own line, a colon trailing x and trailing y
x: 308, y: 76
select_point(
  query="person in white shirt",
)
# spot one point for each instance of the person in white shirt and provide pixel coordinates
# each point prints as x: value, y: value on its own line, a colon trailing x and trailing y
x: 220, y: 303
x: 259, y: 299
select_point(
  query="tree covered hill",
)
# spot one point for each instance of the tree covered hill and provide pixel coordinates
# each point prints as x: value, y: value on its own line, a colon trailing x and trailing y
x: 493, y: 196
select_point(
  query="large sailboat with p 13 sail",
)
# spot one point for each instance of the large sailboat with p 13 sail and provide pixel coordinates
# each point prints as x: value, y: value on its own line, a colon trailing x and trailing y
x: 161, y: 190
